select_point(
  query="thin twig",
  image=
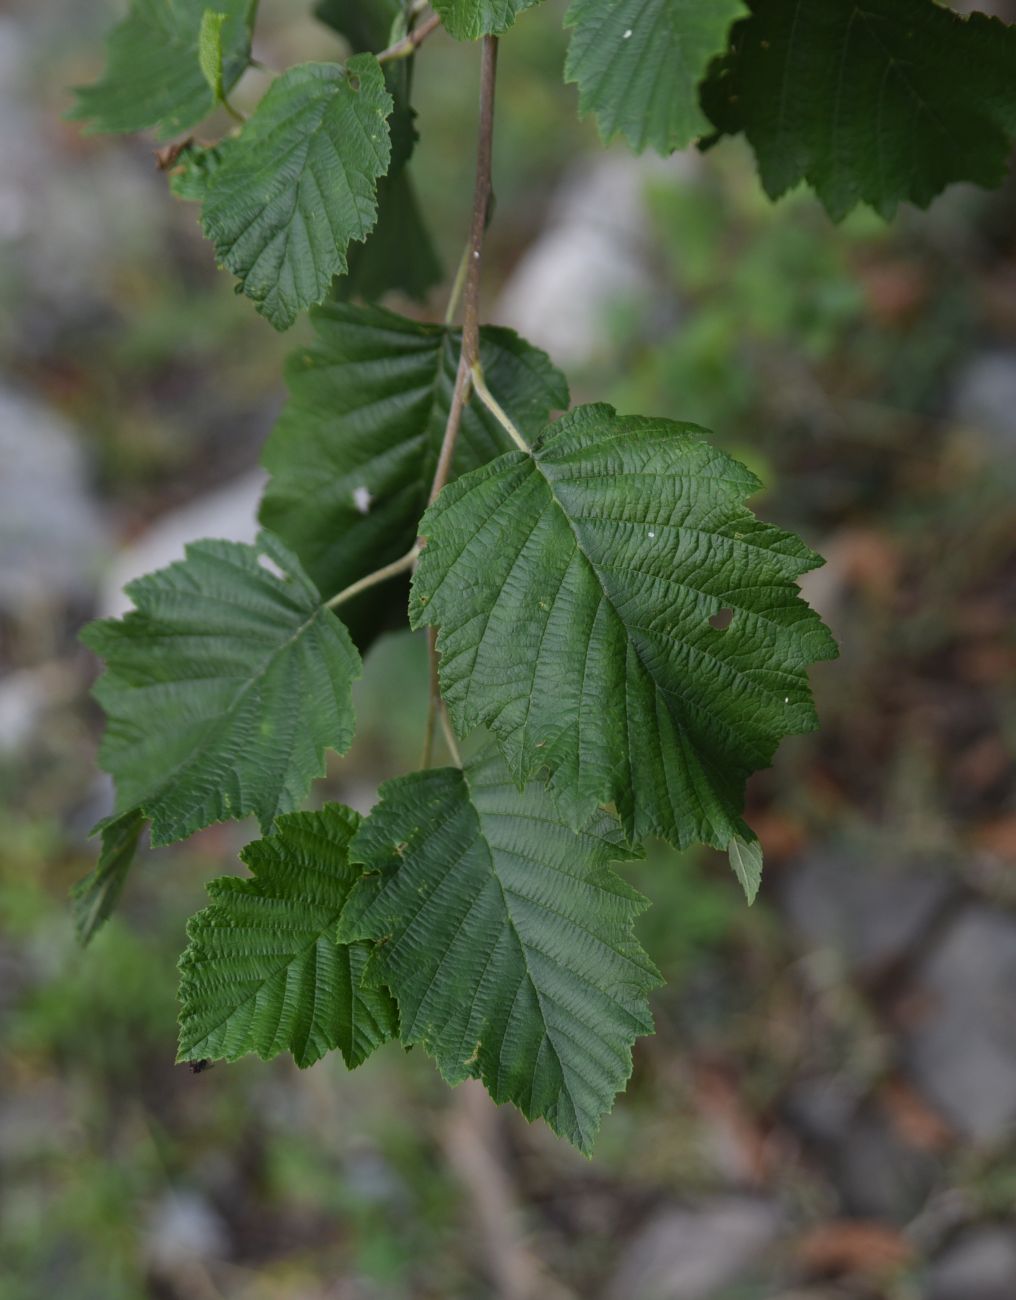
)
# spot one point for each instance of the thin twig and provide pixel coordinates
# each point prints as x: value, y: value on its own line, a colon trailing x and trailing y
x: 401, y: 565
x: 467, y: 283
x: 495, y: 408
x: 411, y: 42
x: 471, y: 294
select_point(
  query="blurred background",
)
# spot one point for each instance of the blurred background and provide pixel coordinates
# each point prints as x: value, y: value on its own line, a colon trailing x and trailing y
x: 828, y: 1108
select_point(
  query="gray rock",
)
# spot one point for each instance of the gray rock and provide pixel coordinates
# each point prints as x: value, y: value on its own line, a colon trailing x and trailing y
x: 51, y: 533
x: 183, y: 1227
x: 589, y: 259
x: 961, y: 1051
x: 868, y: 910
x: 984, y: 397
x: 981, y: 1265
x: 689, y: 1254
x: 230, y: 513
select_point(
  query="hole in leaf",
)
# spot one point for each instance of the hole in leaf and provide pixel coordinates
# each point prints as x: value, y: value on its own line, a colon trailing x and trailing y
x: 354, y: 82
x: 722, y: 619
x: 268, y: 564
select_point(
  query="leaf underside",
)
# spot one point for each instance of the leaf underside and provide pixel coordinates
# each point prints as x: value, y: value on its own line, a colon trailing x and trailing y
x: 154, y: 76
x: 222, y: 689
x: 263, y: 971
x: 638, y: 64
x: 573, y: 591
x: 506, y: 939
x: 300, y: 182
x: 877, y: 103
x: 353, y: 454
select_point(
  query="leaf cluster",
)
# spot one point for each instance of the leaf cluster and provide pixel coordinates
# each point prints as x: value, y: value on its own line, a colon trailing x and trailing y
x: 619, y: 639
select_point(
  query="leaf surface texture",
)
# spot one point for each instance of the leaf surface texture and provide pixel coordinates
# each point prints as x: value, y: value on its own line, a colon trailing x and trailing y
x: 300, y: 182
x: 222, y: 689
x: 573, y: 591
x: 263, y: 971
x: 506, y: 939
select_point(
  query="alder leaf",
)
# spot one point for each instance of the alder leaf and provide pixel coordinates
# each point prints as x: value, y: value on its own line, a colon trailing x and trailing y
x: 263, y: 972
x: 300, y: 182
x: 638, y: 64
x: 468, y: 19
x: 94, y: 898
x: 573, y: 590
x: 506, y: 939
x: 155, y: 76
x: 880, y: 103
x: 223, y: 688
x: 354, y: 452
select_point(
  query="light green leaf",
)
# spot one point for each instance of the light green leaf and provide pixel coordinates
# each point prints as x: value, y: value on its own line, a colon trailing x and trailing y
x: 300, y: 182
x: 94, y: 898
x: 638, y: 64
x: 746, y: 861
x: 156, y: 72
x: 210, y: 53
x: 222, y: 689
x: 574, y: 590
x: 468, y: 19
x: 263, y: 971
x: 877, y: 104
x: 506, y: 939
x: 353, y: 454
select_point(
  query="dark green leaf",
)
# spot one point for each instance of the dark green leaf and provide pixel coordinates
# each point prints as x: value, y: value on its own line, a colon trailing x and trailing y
x: 223, y: 688
x: 574, y: 588
x: 876, y: 103
x: 507, y: 940
x: 365, y: 24
x: 300, y: 182
x: 94, y: 898
x: 353, y: 454
x: 263, y: 971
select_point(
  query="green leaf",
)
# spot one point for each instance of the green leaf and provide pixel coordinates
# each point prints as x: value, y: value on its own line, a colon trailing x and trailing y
x: 879, y: 103
x: 300, y: 182
x: 468, y: 19
x: 574, y: 590
x: 353, y: 455
x: 638, y: 64
x: 94, y: 898
x: 210, y: 52
x: 506, y: 939
x: 156, y: 72
x: 365, y: 24
x: 191, y: 172
x: 263, y: 971
x: 746, y: 861
x: 398, y: 254
x: 223, y: 688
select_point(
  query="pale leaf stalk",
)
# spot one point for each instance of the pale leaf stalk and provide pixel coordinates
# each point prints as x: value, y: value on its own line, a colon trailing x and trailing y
x: 402, y: 565
x: 411, y: 42
x: 495, y: 408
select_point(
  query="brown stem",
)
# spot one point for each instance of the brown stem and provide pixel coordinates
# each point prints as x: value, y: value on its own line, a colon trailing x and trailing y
x: 471, y: 295
x: 411, y: 41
